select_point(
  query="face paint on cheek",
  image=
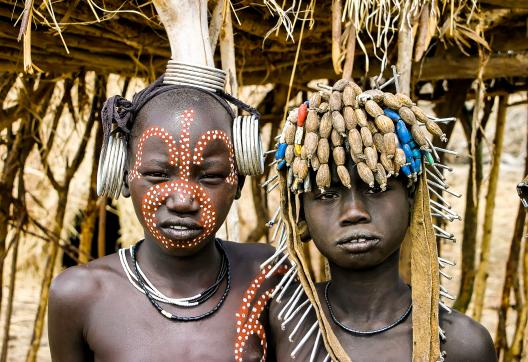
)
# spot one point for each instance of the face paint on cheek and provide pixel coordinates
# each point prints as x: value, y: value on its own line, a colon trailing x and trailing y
x: 157, y: 195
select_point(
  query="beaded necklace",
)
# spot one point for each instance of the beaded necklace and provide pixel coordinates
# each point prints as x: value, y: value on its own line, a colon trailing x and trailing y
x: 154, y: 297
x: 359, y: 332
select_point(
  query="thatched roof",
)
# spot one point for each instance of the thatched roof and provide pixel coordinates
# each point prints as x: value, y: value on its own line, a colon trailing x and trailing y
x: 134, y: 42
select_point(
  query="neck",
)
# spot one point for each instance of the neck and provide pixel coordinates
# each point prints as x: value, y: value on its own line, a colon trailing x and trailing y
x: 369, y: 294
x: 179, y: 276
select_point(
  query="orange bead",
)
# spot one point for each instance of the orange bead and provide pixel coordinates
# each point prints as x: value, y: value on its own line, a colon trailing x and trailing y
x: 301, y: 116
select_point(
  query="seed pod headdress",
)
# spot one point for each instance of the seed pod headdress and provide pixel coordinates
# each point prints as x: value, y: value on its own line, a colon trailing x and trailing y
x: 384, y: 134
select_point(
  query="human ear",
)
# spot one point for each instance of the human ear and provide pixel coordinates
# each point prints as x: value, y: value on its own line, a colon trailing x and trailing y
x: 125, y: 191
x: 240, y: 185
x: 302, y: 230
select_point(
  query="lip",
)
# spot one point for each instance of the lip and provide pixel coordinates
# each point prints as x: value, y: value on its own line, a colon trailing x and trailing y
x: 180, y: 229
x: 359, y: 242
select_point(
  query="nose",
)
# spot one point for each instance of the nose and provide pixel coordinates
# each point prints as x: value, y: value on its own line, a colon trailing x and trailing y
x: 182, y: 202
x: 353, y: 209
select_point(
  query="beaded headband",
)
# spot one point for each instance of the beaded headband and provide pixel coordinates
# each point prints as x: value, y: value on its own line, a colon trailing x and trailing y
x: 118, y: 115
x: 385, y: 135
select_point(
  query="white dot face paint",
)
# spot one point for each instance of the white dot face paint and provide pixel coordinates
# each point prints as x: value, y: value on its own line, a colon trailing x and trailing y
x: 183, y: 189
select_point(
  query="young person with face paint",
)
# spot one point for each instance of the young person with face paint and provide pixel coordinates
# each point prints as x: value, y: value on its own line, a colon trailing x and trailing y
x: 364, y: 311
x: 182, y: 179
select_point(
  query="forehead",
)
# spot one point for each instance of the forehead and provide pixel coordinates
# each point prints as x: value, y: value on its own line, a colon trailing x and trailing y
x: 167, y: 111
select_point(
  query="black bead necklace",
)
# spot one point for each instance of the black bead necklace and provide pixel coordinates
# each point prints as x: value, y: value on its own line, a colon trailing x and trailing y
x: 225, y: 272
x: 359, y: 332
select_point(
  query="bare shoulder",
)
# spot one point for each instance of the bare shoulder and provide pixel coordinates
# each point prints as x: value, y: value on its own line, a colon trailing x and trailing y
x: 466, y: 339
x: 248, y: 253
x: 78, y: 286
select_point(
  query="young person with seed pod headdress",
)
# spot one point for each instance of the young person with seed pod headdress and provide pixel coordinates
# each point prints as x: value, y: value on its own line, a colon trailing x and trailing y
x: 356, y: 172
x: 178, y: 151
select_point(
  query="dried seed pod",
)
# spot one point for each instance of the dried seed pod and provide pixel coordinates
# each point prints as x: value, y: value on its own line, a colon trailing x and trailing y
x: 336, y: 138
x: 366, y: 136
x: 338, y: 122
x: 335, y: 102
x: 304, y: 155
x: 365, y: 173
x: 310, y: 144
x: 391, y: 101
x: 405, y: 100
x: 373, y: 109
x: 381, y: 176
x: 315, y: 100
x: 349, y: 96
x: 339, y: 155
x: 325, y: 126
x: 314, y: 162
x: 389, y: 166
x: 419, y: 136
x: 384, y: 124
x: 407, y: 115
x: 340, y: 85
x: 357, y: 158
x: 435, y: 129
x: 295, y: 166
x: 355, y: 141
x: 323, y: 150
x: 350, y: 118
x: 371, y: 157
x: 357, y: 89
x: 322, y: 178
x: 289, y: 154
x: 420, y: 115
x: 376, y: 94
x: 344, y: 176
x: 302, y: 168
x: 312, y: 121
x: 289, y: 134
x: 399, y: 159
x: 372, y: 127
x: 389, y: 141
x: 361, y: 117
x: 377, y: 139
x: 323, y: 107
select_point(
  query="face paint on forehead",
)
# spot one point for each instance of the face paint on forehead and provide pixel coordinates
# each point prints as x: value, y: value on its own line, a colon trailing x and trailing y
x: 180, y: 156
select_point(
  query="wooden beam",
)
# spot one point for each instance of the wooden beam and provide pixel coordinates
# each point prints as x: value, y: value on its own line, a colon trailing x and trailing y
x: 506, y: 3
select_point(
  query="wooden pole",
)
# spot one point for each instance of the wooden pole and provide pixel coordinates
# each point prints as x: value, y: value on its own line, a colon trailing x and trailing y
x: 350, y: 52
x: 336, y: 35
x: 405, y: 49
x: 482, y: 271
x: 185, y: 22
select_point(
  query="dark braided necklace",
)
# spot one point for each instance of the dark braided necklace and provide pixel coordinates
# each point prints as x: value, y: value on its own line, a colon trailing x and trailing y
x: 359, y: 332
x: 225, y: 272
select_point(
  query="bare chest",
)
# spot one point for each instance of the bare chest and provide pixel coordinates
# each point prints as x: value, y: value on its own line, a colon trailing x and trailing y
x: 124, y: 326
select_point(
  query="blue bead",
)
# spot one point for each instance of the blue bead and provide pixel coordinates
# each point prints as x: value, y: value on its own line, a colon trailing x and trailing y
x: 412, y: 143
x: 408, y: 153
x: 307, y: 103
x: 417, y: 154
x: 403, y: 133
x: 406, y: 170
x: 417, y: 166
x: 281, y: 151
x: 392, y: 114
x: 281, y: 164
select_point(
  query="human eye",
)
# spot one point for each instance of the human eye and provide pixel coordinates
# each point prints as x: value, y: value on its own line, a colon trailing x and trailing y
x: 213, y: 177
x: 377, y: 190
x: 155, y: 174
x: 327, y: 195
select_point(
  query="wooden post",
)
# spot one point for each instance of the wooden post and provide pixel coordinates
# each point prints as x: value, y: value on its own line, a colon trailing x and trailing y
x: 405, y: 49
x: 185, y: 22
x: 482, y: 271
